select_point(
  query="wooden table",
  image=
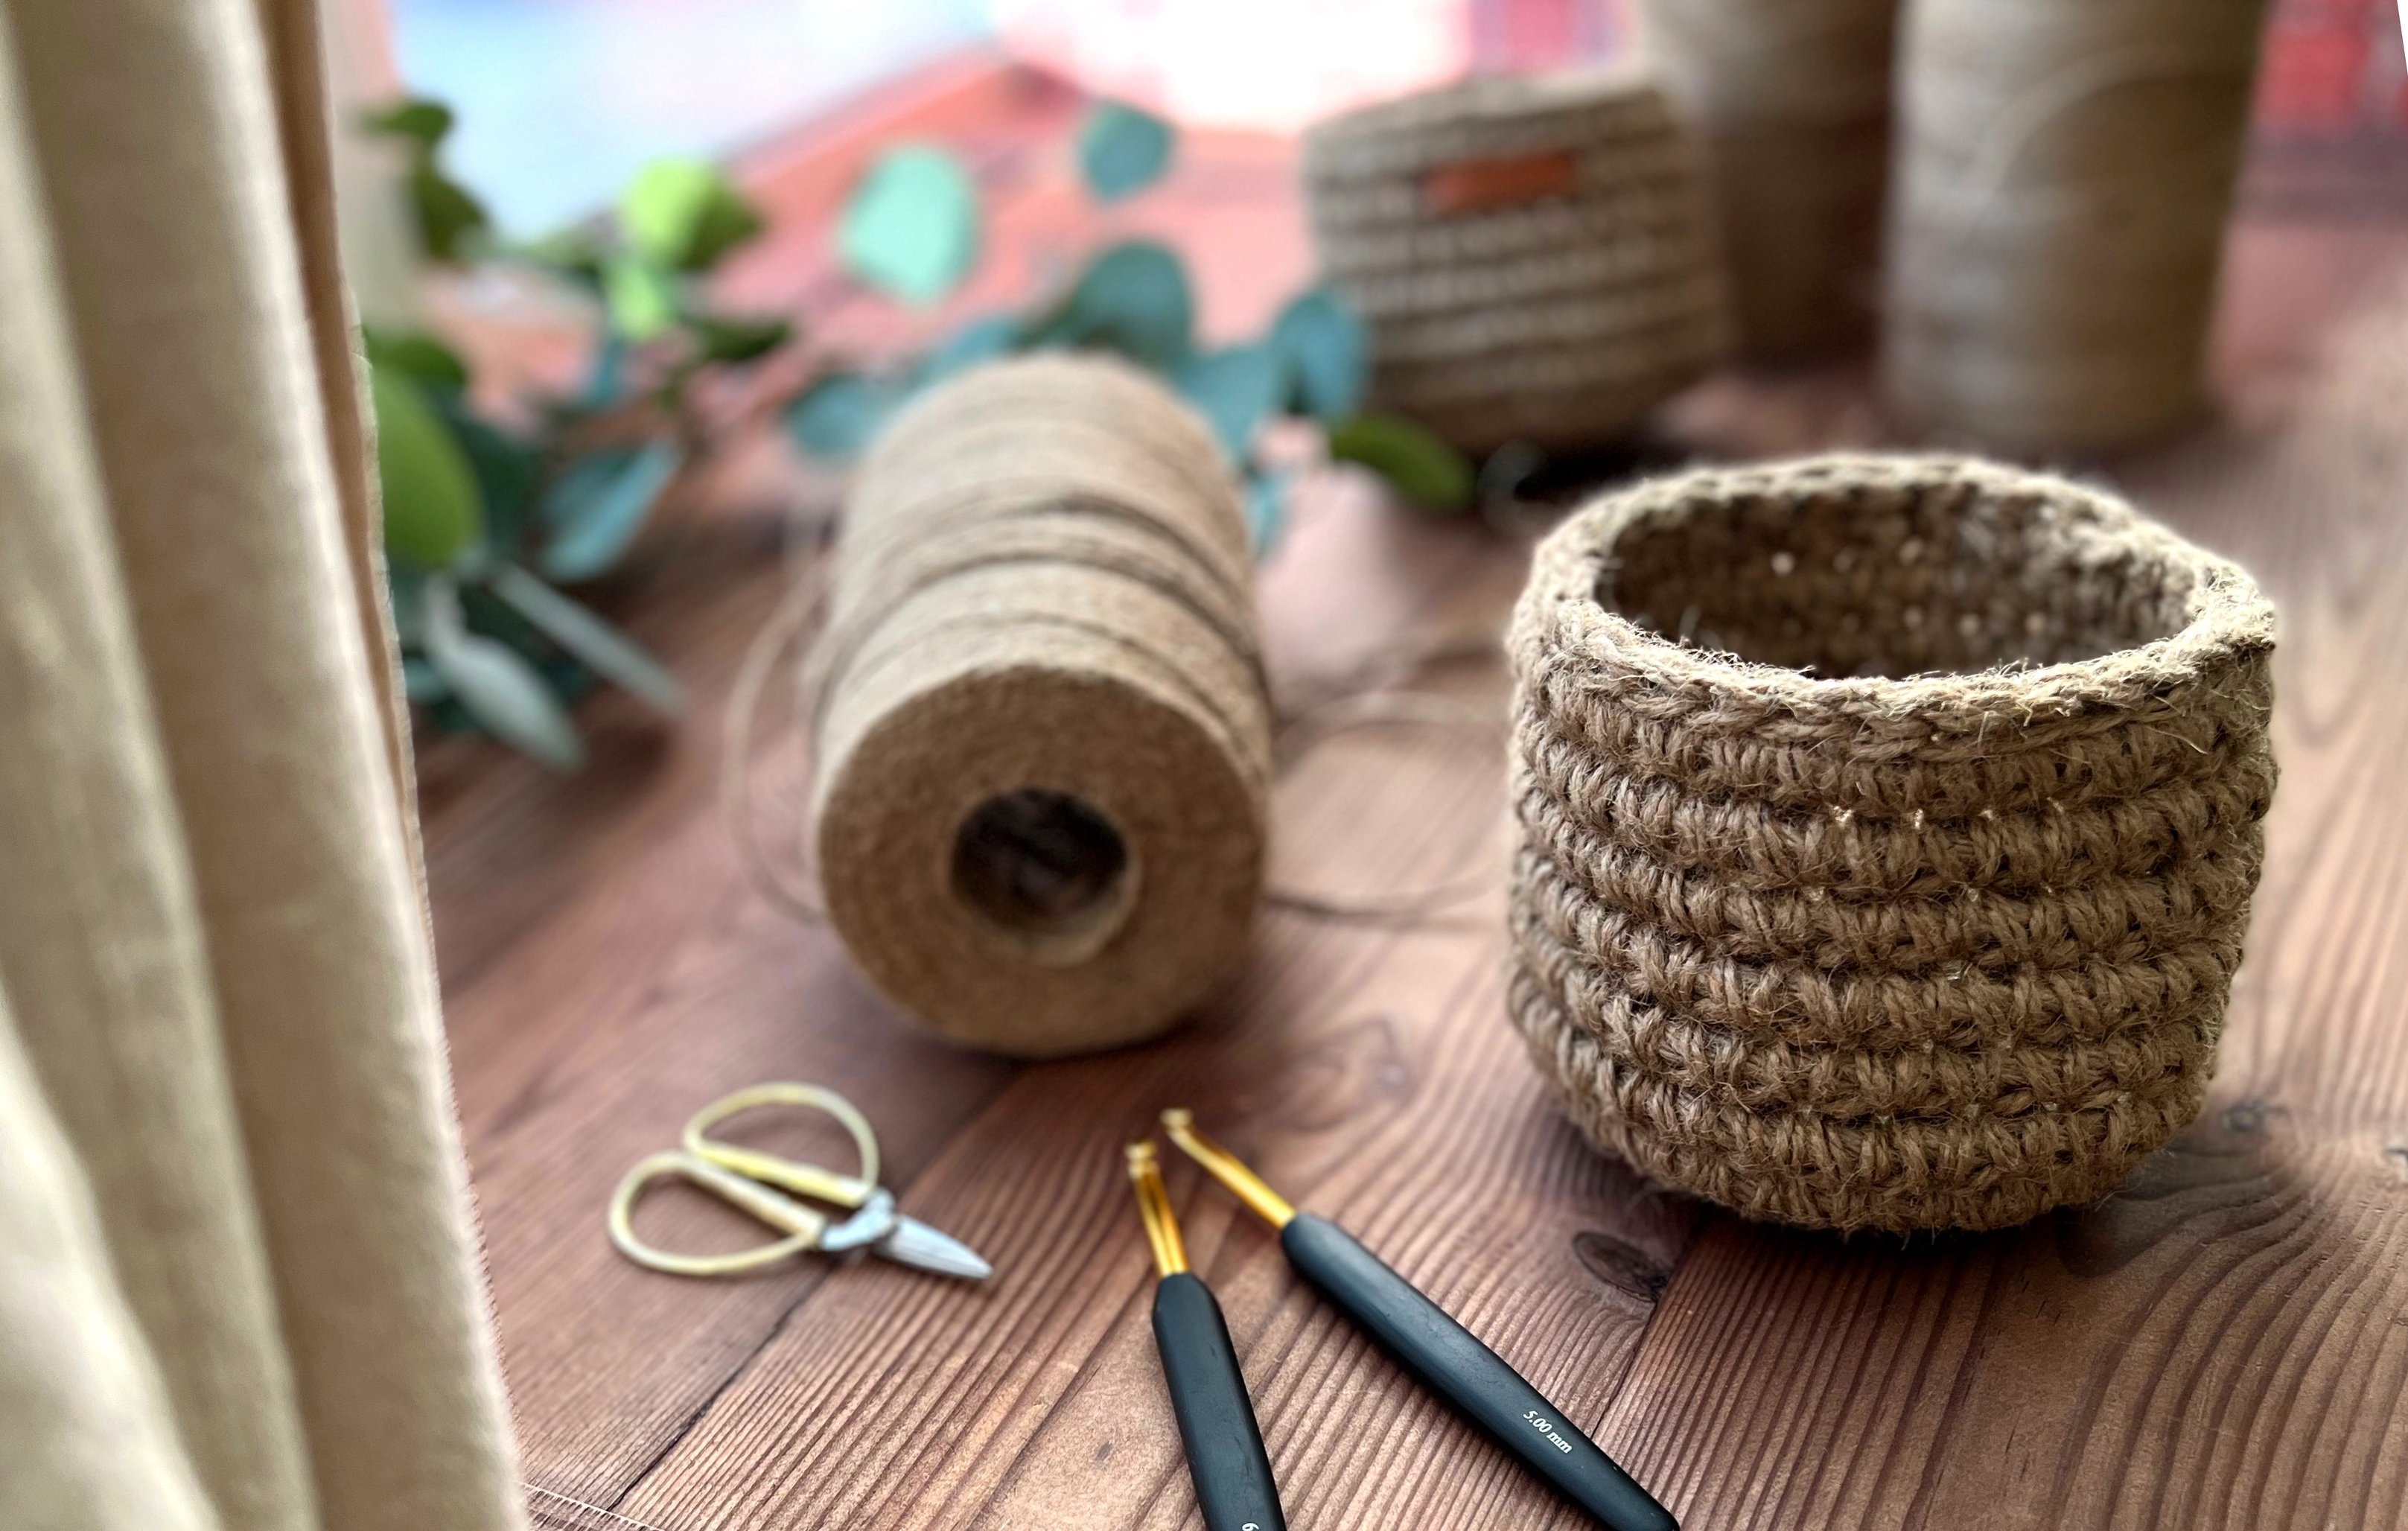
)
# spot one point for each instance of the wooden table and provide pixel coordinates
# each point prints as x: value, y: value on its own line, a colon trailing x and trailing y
x: 2223, y: 1342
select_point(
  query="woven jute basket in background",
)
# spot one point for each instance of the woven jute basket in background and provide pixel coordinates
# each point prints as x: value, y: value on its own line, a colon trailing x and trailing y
x: 1888, y: 831
x: 2064, y: 171
x: 1792, y: 101
x: 1534, y: 256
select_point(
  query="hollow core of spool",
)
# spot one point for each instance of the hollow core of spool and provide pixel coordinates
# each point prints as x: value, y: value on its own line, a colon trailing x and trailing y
x: 1048, y: 870
x: 1038, y: 859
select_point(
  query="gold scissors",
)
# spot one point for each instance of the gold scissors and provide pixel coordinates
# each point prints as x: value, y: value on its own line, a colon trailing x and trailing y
x: 759, y: 1183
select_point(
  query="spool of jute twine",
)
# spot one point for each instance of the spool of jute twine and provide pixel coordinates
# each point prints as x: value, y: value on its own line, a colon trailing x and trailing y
x: 1043, y: 756
x: 1534, y: 257
x: 1888, y: 831
x: 2064, y: 172
x: 1791, y: 100
x: 1039, y: 736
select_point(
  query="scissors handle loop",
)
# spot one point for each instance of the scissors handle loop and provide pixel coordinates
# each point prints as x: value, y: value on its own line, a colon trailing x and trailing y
x: 802, y: 1226
x: 803, y: 1179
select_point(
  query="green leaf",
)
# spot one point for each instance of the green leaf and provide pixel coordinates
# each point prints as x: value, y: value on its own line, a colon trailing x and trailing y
x: 1133, y: 298
x: 738, y: 340
x: 420, y: 682
x: 606, y: 377
x: 838, y: 417
x: 419, y: 120
x: 1122, y: 150
x: 495, y: 686
x: 1234, y: 390
x: 684, y: 215
x: 980, y: 340
x: 574, y: 254
x: 910, y: 228
x: 640, y: 297
x: 1328, y: 355
x: 432, y: 512
x: 1265, y: 511
x: 507, y: 471
x: 599, y: 505
x: 1420, y: 463
x: 600, y: 647
x: 415, y: 354
x: 447, y: 214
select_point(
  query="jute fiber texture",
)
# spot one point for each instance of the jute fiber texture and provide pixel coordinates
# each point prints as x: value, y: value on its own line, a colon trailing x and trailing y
x: 1534, y: 256
x: 2064, y: 171
x: 238, y: 1282
x: 1040, y: 813
x: 1888, y: 829
x: 1791, y: 100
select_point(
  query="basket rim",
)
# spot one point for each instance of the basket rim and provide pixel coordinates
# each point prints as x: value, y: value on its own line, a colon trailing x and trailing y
x: 2230, y: 619
x: 1488, y: 100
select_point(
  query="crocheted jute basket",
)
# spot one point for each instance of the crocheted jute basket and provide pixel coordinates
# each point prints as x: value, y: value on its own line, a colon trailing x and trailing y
x: 1889, y: 826
x: 1534, y: 257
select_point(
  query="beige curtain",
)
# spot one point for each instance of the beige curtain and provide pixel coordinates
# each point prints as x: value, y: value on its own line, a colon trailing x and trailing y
x: 238, y: 1288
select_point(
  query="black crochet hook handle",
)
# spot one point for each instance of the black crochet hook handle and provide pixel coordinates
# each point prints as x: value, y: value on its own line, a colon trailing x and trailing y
x: 1451, y: 1362
x: 1216, y: 1421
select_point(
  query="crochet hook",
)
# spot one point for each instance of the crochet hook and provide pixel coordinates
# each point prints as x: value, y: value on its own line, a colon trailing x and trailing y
x: 1207, y: 1392
x: 1446, y: 1359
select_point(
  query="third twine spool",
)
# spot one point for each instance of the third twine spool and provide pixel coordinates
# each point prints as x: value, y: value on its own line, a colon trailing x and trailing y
x: 1043, y: 733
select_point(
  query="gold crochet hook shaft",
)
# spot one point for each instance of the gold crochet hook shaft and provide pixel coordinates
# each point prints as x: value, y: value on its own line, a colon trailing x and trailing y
x: 1227, y: 1169
x: 1154, y: 1206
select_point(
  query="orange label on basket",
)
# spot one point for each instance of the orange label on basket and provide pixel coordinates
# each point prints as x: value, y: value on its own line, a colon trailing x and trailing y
x: 1477, y: 185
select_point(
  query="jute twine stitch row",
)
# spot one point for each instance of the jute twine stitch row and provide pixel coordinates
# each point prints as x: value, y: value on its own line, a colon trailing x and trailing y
x: 1558, y: 313
x: 1925, y: 912
x: 1791, y: 99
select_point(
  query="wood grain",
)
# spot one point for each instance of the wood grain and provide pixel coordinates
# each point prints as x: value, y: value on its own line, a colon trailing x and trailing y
x: 2224, y: 1342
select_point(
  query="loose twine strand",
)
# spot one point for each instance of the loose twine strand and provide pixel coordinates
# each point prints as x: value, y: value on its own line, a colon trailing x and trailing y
x: 580, y: 1508
x: 1372, y: 697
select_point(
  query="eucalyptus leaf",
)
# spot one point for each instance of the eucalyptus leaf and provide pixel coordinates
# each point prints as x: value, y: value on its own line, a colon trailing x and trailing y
x: 607, y: 377
x: 420, y: 682
x: 447, y: 214
x: 738, y: 339
x: 640, y: 297
x: 684, y: 215
x: 837, y: 417
x: 1133, y: 298
x: 506, y: 468
x: 431, y: 512
x: 980, y: 340
x: 600, y: 647
x: 910, y: 227
x: 419, y: 120
x: 1266, y: 496
x: 1422, y: 468
x: 1323, y: 342
x: 575, y: 254
x: 1234, y: 390
x: 598, y: 506
x: 496, y: 687
x: 1122, y: 150
x: 417, y: 355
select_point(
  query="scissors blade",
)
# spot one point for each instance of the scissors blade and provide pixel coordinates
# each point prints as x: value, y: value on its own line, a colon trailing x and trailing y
x: 914, y: 1243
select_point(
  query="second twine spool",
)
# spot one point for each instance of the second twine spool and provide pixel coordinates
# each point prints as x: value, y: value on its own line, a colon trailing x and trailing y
x: 1044, y: 738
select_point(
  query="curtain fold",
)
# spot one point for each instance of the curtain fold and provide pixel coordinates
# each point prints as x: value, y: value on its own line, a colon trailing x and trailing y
x: 212, y: 935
